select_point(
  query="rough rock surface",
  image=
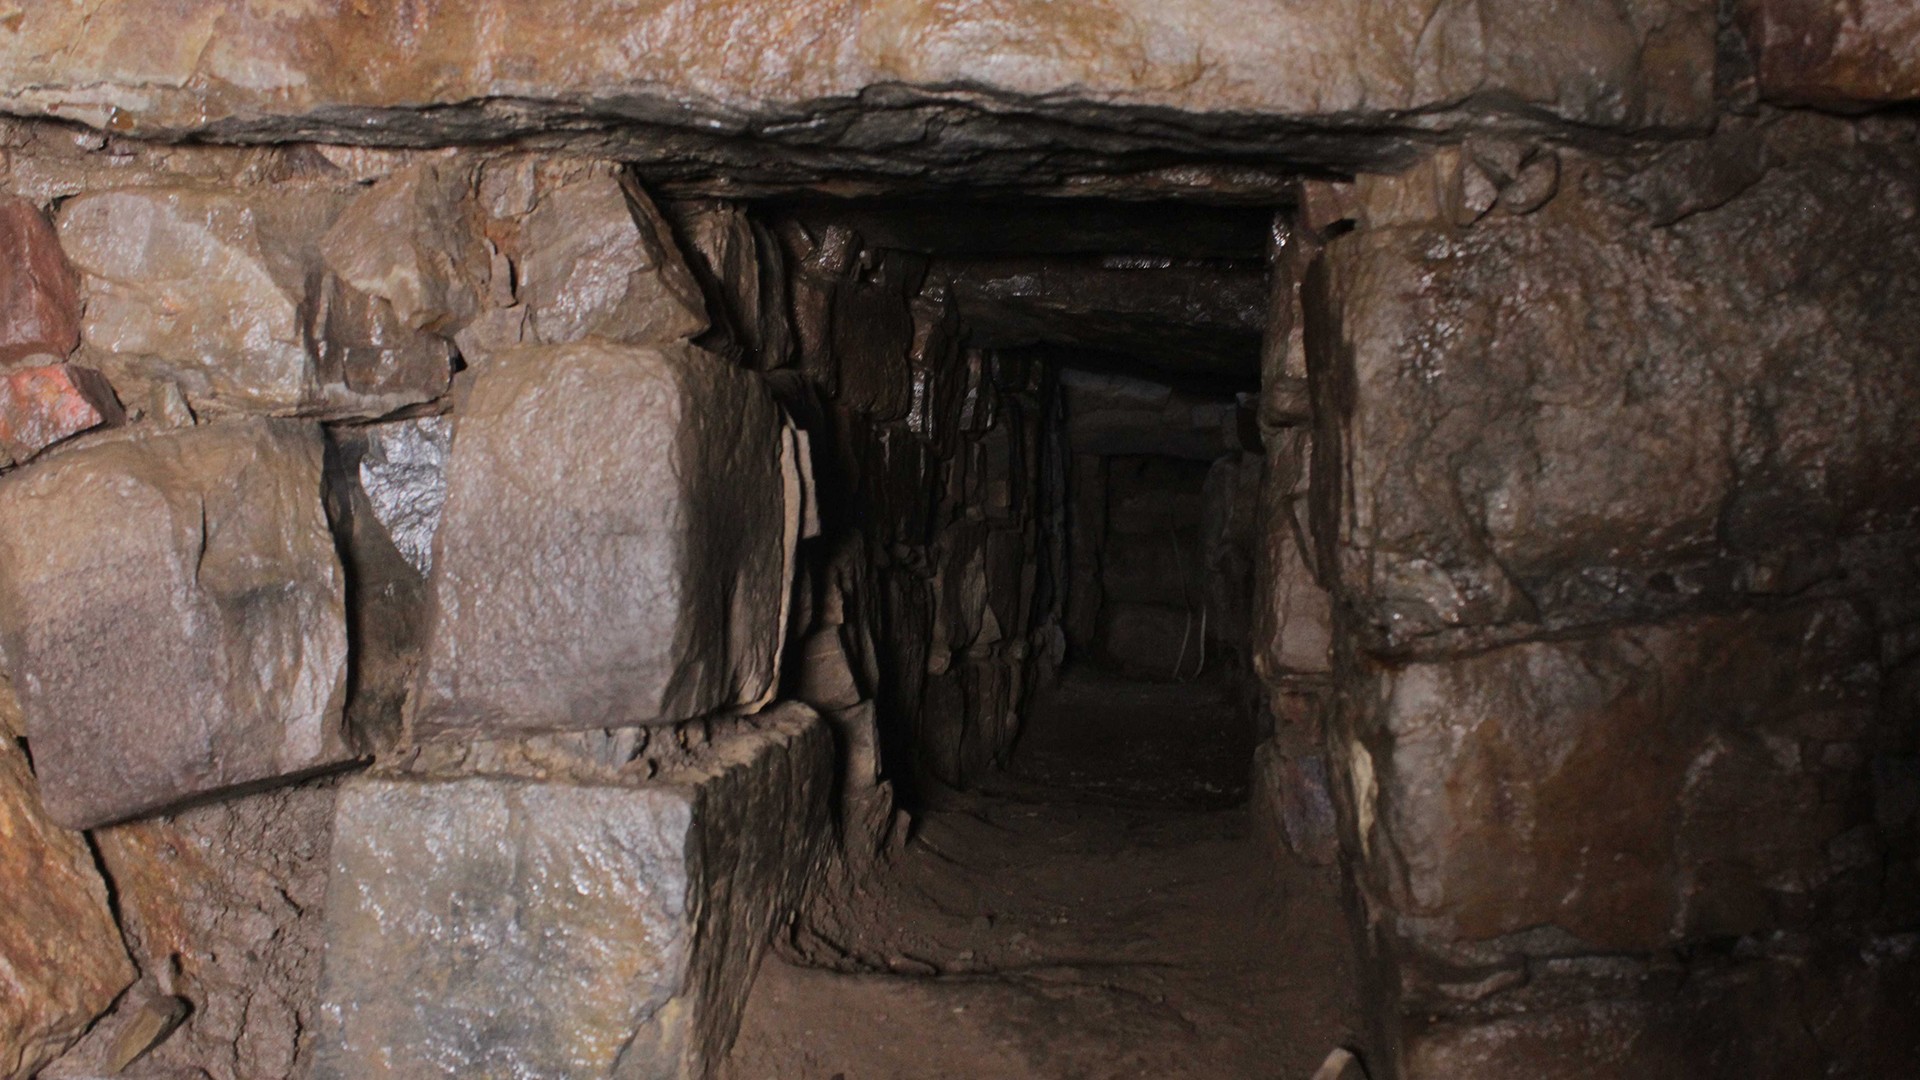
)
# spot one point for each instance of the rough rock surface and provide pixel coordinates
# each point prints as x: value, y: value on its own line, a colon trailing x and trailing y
x: 404, y: 473
x: 224, y: 293
x: 224, y: 901
x: 40, y: 406
x: 904, y: 85
x: 197, y: 569
x: 600, y: 261
x: 644, y: 506
x: 39, y: 293
x: 1597, y: 442
x: 634, y: 916
x: 742, y: 271
x: 414, y: 240
x: 1780, y: 1007
x: 61, y: 959
x: 1839, y: 55
x: 1630, y: 789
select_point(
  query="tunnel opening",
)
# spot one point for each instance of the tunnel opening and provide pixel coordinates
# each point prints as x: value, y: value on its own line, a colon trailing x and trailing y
x: 1030, y: 613
x: 957, y: 551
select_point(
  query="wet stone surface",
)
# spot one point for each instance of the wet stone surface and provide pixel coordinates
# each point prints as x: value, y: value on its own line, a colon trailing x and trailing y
x: 495, y: 926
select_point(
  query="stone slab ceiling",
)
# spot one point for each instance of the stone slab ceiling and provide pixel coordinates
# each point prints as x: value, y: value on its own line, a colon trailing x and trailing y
x: 1073, y: 93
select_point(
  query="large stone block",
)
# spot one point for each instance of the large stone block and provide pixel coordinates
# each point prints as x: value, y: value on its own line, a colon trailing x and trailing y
x: 600, y: 261
x: 39, y: 292
x: 173, y: 616
x: 226, y: 294
x: 498, y: 927
x: 61, y: 959
x: 1528, y: 421
x: 1780, y: 1008
x: 414, y: 240
x: 1853, y: 55
x: 616, y: 546
x: 1626, y: 790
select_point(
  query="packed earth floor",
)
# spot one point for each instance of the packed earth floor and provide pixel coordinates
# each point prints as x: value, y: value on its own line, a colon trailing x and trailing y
x: 1102, y: 908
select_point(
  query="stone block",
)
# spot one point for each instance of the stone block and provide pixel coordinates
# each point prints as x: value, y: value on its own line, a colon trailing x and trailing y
x: 1781, y: 1008
x: 1848, y: 56
x: 488, y: 926
x: 742, y: 269
x: 39, y: 292
x: 1614, y: 447
x: 1629, y: 789
x: 823, y: 677
x: 1294, y: 798
x: 61, y: 959
x: 173, y: 616
x: 419, y: 77
x: 414, y: 240
x: 227, y: 295
x: 1296, y: 627
x: 40, y: 406
x: 616, y: 546
x: 600, y: 261
x: 873, y: 337
x: 223, y: 901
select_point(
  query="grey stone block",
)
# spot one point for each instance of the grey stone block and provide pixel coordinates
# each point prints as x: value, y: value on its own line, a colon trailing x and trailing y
x: 173, y: 616
x: 616, y: 546
x: 491, y: 926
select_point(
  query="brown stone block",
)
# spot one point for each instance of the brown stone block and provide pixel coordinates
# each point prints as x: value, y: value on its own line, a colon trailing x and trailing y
x: 616, y: 546
x: 225, y: 899
x: 61, y: 959
x: 599, y: 261
x: 173, y: 616
x: 1632, y: 788
x: 1781, y: 1008
x: 500, y: 927
x: 40, y: 406
x: 1616, y: 446
x: 226, y: 295
x: 1855, y: 55
x: 39, y: 292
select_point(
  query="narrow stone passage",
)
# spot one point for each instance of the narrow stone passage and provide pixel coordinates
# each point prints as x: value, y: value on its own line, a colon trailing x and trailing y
x: 1105, y: 907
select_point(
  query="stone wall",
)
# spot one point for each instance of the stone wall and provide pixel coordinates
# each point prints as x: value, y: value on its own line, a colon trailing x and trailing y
x: 939, y: 479
x: 1585, y: 548
x: 1613, y: 484
x: 320, y: 458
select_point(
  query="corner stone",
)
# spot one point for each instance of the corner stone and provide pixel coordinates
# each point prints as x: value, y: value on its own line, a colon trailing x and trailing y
x: 173, y: 614
x: 497, y: 927
x: 616, y: 545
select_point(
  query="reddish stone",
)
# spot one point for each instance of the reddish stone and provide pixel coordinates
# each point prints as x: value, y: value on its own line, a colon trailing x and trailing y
x: 39, y: 295
x: 40, y: 406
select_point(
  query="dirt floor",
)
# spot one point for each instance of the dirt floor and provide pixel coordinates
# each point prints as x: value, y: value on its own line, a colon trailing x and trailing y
x: 1104, y: 909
